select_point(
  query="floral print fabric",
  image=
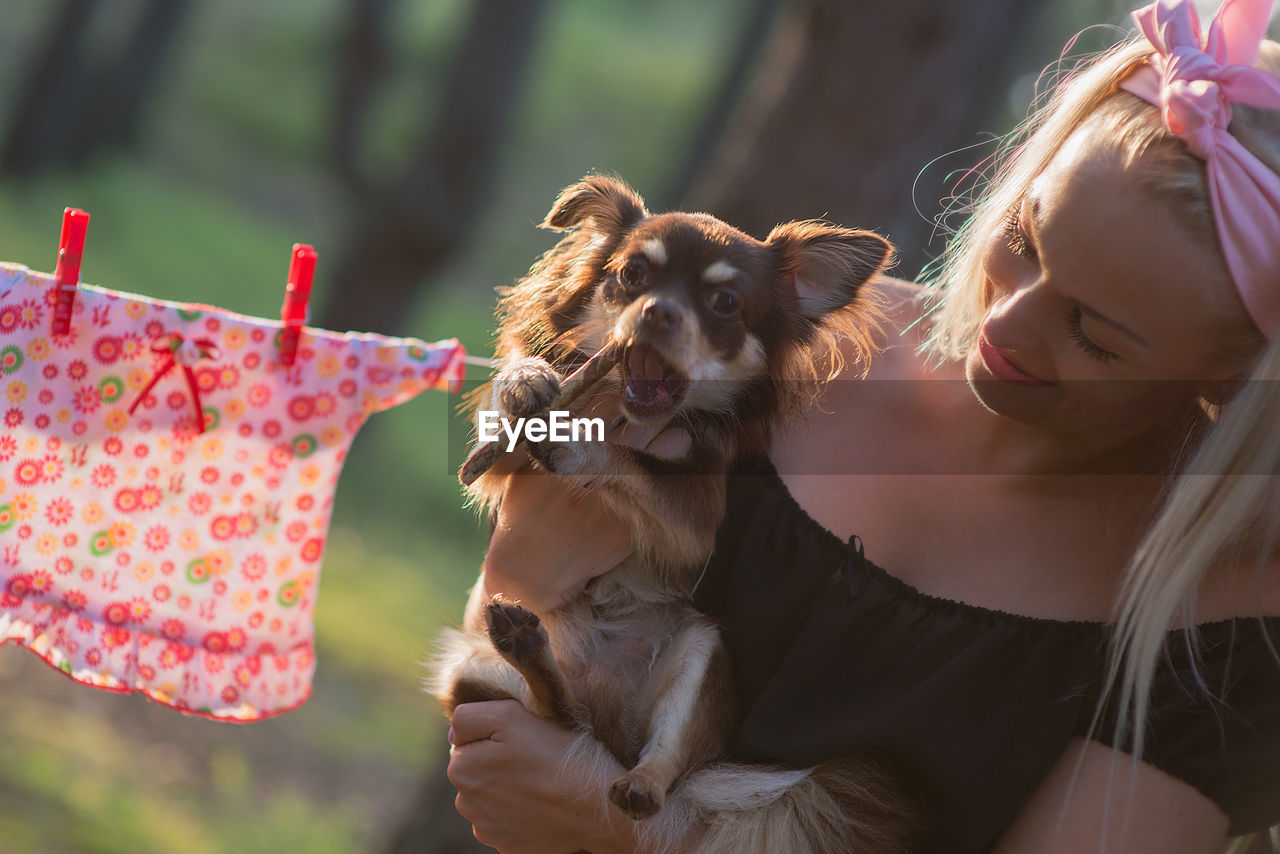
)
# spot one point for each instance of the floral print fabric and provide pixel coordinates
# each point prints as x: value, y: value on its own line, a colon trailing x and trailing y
x: 141, y: 553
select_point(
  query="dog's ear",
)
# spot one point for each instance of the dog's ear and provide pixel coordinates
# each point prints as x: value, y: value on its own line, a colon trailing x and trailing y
x: 825, y: 265
x: 606, y: 201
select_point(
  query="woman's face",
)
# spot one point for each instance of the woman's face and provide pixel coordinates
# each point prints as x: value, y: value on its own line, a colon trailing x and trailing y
x: 1103, y: 309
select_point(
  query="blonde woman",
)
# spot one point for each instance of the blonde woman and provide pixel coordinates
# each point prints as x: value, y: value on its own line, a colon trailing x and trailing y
x: 1030, y: 558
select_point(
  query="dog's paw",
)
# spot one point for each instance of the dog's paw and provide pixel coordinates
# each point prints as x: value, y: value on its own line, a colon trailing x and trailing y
x: 635, y: 796
x: 515, y: 632
x: 527, y: 387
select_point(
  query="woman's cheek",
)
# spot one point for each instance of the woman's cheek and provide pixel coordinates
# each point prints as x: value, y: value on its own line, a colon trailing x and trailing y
x: 999, y: 269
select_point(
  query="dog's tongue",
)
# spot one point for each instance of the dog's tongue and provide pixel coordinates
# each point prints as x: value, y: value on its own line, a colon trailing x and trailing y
x: 649, y: 379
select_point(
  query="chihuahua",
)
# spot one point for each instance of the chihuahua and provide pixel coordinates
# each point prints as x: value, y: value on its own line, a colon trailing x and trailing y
x: 713, y: 329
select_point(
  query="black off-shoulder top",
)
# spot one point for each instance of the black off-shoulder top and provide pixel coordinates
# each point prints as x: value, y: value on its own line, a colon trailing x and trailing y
x: 833, y: 655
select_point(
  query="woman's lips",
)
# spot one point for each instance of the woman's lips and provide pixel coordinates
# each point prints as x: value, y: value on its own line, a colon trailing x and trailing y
x: 1003, y: 369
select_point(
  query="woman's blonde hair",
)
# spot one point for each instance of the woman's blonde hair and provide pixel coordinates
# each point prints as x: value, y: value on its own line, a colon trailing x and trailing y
x: 1220, y: 506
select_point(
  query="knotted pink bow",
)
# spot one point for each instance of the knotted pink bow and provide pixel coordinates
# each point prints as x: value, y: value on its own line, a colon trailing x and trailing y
x: 173, y: 350
x: 1195, y: 81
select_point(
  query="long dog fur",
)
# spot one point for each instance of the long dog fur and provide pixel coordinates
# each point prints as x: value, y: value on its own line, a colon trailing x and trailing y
x: 724, y: 334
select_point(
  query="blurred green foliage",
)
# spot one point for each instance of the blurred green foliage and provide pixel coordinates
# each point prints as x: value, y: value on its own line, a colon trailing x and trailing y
x: 233, y: 169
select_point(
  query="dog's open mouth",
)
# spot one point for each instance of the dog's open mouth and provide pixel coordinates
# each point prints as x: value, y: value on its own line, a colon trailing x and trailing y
x: 651, y: 386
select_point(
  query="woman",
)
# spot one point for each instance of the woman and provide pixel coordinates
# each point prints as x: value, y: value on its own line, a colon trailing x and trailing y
x: 1077, y: 432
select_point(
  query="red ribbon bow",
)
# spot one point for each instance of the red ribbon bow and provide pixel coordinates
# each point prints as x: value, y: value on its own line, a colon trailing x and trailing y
x: 173, y: 350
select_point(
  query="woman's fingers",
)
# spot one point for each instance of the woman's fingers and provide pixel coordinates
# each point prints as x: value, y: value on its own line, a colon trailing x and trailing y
x: 529, y: 786
x: 477, y: 721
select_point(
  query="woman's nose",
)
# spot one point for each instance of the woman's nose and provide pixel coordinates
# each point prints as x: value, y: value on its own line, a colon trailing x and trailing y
x: 1017, y: 314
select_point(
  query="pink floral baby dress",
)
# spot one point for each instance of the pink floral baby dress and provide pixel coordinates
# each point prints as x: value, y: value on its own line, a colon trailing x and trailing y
x: 166, y: 487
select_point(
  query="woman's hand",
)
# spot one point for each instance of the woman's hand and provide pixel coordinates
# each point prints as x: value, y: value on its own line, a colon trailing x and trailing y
x: 520, y: 793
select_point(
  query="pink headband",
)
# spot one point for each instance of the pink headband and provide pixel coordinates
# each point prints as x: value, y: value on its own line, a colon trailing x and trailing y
x: 1195, y: 81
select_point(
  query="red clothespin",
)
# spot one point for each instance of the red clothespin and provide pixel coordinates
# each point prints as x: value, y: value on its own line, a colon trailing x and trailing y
x: 67, y: 275
x: 297, y: 296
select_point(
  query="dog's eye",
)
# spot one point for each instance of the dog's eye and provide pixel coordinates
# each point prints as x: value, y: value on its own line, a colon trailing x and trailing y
x: 724, y: 303
x: 632, y: 275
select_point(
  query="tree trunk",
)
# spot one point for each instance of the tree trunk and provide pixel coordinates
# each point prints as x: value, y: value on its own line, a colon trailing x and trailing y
x: 46, y: 113
x: 362, y: 62
x: 734, y: 83
x: 112, y: 117
x: 71, y: 109
x: 421, y: 219
x: 851, y: 102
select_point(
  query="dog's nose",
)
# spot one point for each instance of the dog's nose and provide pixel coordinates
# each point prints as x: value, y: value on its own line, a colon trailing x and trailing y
x: 659, y: 315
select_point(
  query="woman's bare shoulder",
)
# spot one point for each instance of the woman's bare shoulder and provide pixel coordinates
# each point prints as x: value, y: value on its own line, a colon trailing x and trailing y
x: 876, y: 398
x: 897, y: 296
x: 899, y: 306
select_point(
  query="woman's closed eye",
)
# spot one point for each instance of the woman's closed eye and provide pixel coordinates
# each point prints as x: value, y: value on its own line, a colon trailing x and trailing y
x: 1076, y: 331
x: 1015, y: 236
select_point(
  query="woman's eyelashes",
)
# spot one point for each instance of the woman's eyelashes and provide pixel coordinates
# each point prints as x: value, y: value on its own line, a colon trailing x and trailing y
x: 1015, y: 236
x: 1076, y: 332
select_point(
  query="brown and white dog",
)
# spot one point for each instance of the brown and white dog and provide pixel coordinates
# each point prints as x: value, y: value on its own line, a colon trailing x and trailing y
x: 722, y: 335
